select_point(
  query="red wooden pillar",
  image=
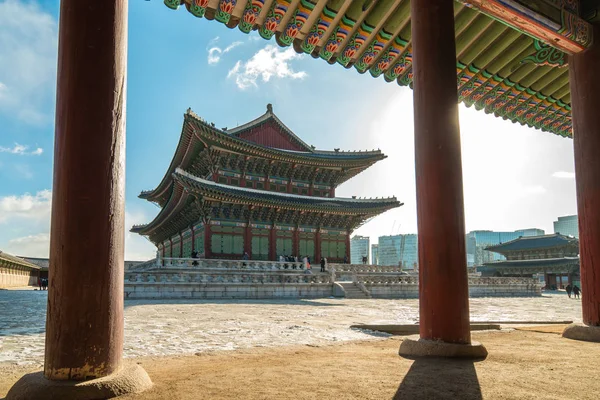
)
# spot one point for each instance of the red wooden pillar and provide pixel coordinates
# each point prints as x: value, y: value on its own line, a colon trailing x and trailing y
x: 207, y: 240
x: 443, y: 287
x: 585, y: 104
x: 84, y: 327
x: 248, y: 239
x: 332, y: 191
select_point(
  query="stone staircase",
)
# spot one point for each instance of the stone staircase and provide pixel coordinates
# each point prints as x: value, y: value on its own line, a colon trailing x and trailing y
x: 353, y: 292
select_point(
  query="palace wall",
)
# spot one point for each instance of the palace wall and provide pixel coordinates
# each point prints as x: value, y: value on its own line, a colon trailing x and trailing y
x: 17, y: 277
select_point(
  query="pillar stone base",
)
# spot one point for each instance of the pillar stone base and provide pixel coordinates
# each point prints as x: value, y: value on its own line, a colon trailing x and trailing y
x: 415, y: 347
x: 132, y: 378
x: 582, y: 332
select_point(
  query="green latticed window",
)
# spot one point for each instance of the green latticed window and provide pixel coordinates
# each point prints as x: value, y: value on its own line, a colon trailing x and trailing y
x: 283, y: 245
x: 260, y: 244
x: 199, y: 243
x: 306, y: 245
x: 227, y: 241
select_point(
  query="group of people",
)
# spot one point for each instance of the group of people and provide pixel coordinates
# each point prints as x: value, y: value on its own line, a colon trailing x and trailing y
x: 573, y: 289
x: 43, y: 283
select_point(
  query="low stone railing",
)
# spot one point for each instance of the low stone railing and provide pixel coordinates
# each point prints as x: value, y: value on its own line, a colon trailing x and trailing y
x: 385, y: 279
x: 360, y: 268
x: 392, y: 285
x: 227, y: 278
x: 474, y: 280
x: 145, y: 266
x: 255, y: 265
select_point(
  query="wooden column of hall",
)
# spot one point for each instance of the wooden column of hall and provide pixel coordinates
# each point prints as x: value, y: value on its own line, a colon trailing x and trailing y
x: 84, y: 327
x: 443, y: 288
x: 585, y: 104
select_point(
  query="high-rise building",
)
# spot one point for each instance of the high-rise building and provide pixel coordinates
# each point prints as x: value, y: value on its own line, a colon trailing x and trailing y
x: 359, y: 248
x: 375, y: 254
x: 567, y: 225
x: 400, y: 250
x: 477, y: 241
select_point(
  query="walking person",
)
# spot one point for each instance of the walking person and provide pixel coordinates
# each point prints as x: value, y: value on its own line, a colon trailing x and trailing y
x: 322, y: 264
x: 568, y: 289
x: 576, y: 291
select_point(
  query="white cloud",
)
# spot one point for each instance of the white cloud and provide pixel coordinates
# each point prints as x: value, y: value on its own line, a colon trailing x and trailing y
x: 215, y: 52
x: 28, y: 39
x: 564, y: 175
x: 27, y: 206
x: 37, y: 245
x: 21, y: 150
x: 267, y: 63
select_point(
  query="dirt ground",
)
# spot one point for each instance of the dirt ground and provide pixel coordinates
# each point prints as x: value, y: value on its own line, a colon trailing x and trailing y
x: 530, y: 363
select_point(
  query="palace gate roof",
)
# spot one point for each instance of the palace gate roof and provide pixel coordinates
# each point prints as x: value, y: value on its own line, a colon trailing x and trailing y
x: 510, y: 57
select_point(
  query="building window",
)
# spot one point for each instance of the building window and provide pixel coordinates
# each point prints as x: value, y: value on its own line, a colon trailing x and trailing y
x: 234, y: 181
x: 260, y: 244
x: 223, y: 179
x: 283, y: 244
x: 227, y: 240
x: 260, y: 185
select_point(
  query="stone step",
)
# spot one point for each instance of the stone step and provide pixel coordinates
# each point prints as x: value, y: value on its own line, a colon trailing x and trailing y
x: 353, y: 292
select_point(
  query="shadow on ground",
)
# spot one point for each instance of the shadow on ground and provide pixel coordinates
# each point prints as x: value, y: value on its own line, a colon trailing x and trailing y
x: 440, y: 378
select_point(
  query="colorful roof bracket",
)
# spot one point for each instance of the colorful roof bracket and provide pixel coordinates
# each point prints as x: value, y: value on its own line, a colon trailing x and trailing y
x: 572, y: 35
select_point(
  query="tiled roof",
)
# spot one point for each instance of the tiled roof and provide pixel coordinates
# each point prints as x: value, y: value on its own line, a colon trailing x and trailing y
x: 506, y: 67
x: 529, y: 263
x: 533, y: 242
x: 193, y: 183
x: 10, y: 259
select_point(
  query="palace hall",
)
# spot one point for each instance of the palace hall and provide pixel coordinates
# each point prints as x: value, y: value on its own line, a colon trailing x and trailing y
x: 257, y: 189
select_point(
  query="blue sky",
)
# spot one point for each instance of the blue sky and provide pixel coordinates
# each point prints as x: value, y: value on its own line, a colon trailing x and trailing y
x: 514, y: 177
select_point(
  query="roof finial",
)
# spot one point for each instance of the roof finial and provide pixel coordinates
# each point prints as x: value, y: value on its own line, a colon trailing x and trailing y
x: 270, y: 108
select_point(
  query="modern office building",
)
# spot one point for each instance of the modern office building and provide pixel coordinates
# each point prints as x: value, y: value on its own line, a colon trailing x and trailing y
x: 375, y: 254
x: 567, y: 225
x: 359, y: 248
x: 477, y: 241
x: 401, y: 250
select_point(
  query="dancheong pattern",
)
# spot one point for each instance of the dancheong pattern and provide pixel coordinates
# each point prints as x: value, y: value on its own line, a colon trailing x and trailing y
x: 524, y: 82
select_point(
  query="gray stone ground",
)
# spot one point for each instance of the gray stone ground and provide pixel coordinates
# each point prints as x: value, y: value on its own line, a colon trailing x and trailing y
x: 167, y: 327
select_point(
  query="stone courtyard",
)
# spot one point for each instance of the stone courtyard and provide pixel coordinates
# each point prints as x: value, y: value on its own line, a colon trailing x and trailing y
x: 174, y: 327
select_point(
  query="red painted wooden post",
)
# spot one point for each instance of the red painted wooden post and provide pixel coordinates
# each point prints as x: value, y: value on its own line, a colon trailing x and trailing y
x: 84, y: 336
x: 585, y: 98
x: 207, y: 240
x: 443, y: 287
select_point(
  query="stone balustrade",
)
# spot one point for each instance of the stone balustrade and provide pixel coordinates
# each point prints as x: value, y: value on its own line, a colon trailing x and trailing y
x: 226, y: 277
x: 225, y: 283
x: 392, y: 285
x: 256, y: 265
